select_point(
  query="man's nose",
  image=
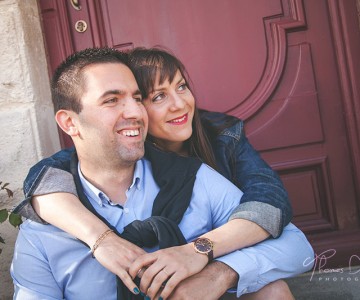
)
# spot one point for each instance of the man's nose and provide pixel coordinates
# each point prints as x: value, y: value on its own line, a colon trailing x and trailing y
x: 133, y: 109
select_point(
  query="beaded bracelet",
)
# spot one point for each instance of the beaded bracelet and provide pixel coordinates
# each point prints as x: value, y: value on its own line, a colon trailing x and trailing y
x: 99, y: 240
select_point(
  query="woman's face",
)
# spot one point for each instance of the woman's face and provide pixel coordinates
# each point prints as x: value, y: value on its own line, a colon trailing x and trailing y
x: 170, y: 108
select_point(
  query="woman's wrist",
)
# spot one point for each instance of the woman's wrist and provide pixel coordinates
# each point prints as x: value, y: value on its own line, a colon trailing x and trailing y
x: 99, y: 240
x: 235, y: 235
x: 91, y: 231
x: 197, y: 256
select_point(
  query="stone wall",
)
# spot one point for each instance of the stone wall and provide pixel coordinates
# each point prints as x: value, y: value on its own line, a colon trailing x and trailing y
x: 28, y: 132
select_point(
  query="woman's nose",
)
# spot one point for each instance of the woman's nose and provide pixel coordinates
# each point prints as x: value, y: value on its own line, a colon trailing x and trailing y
x: 177, y: 102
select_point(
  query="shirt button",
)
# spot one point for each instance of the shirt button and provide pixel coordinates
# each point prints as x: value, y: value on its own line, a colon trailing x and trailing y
x: 126, y: 210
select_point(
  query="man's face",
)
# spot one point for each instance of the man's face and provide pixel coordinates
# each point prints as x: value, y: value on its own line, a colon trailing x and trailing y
x: 113, y: 122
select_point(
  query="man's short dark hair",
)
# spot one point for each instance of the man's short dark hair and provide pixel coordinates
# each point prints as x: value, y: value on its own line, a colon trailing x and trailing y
x: 67, y: 85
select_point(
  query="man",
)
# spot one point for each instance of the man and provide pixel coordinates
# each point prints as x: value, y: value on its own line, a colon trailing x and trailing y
x: 97, y: 103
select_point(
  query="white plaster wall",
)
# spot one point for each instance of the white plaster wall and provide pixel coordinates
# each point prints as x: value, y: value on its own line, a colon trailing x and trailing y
x: 27, y: 128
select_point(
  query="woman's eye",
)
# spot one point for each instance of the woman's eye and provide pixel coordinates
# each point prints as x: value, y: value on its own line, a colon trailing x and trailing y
x: 182, y: 87
x: 158, y: 97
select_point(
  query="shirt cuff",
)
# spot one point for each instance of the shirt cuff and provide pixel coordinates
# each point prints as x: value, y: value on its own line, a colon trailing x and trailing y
x: 56, y: 181
x: 265, y: 215
x: 247, y: 269
x: 53, y: 181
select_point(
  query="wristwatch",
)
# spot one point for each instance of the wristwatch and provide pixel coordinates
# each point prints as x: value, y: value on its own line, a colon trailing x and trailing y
x: 204, y: 246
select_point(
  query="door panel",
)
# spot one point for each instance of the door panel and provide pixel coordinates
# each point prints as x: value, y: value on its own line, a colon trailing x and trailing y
x: 274, y: 63
x: 218, y: 40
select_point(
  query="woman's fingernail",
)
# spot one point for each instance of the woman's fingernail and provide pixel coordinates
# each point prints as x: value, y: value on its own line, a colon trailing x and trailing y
x: 136, y: 290
x: 147, y: 298
x: 160, y: 298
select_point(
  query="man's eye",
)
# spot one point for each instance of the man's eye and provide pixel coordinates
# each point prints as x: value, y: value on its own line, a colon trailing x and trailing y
x: 138, y: 99
x: 111, y: 100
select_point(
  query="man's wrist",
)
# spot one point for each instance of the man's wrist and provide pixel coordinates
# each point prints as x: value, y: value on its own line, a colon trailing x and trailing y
x: 225, y: 273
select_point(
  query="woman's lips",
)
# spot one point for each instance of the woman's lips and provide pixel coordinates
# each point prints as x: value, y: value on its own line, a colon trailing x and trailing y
x: 179, y: 121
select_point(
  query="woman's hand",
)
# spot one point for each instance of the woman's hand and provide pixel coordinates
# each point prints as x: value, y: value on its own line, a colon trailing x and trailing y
x: 162, y: 270
x: 117, y: 255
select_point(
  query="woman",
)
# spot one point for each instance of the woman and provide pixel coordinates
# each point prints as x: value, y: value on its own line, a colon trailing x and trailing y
x: 175, y: 126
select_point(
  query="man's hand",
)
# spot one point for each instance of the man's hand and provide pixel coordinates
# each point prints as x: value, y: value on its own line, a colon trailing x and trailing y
x: 116, y: 255
x: 170, y: 265
x: 211, y: 283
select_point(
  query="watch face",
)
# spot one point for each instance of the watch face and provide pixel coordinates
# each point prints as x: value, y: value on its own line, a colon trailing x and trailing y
x: 203, y: 245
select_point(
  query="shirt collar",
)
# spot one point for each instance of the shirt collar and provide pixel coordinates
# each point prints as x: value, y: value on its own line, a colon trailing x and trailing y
x: 99, y: 196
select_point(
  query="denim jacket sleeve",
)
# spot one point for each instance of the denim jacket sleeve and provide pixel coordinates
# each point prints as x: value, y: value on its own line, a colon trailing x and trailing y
x: 50, y: 175
x: 265, y: 200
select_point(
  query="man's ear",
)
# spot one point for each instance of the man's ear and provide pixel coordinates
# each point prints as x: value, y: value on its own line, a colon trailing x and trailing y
x: 66, y: 120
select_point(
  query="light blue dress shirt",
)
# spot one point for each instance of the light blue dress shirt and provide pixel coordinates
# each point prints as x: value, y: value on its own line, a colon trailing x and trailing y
x: 51, y: 264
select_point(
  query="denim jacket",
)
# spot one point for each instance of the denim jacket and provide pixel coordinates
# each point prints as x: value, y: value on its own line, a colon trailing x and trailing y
x: 265, y: 200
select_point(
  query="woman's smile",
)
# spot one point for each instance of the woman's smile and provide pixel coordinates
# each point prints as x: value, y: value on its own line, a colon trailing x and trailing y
x: 180, y: 120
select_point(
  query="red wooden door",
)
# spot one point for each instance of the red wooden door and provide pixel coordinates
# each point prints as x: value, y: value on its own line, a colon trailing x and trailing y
x: 284, y: 66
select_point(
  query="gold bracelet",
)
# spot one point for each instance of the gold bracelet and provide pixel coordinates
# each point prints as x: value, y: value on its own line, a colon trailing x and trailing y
x: 100, y: 239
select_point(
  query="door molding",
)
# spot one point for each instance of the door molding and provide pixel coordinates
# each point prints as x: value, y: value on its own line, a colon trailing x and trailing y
x: 348, y: 66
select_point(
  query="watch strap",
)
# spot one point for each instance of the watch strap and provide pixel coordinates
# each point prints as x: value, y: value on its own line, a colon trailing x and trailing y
x: 211, y: 255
